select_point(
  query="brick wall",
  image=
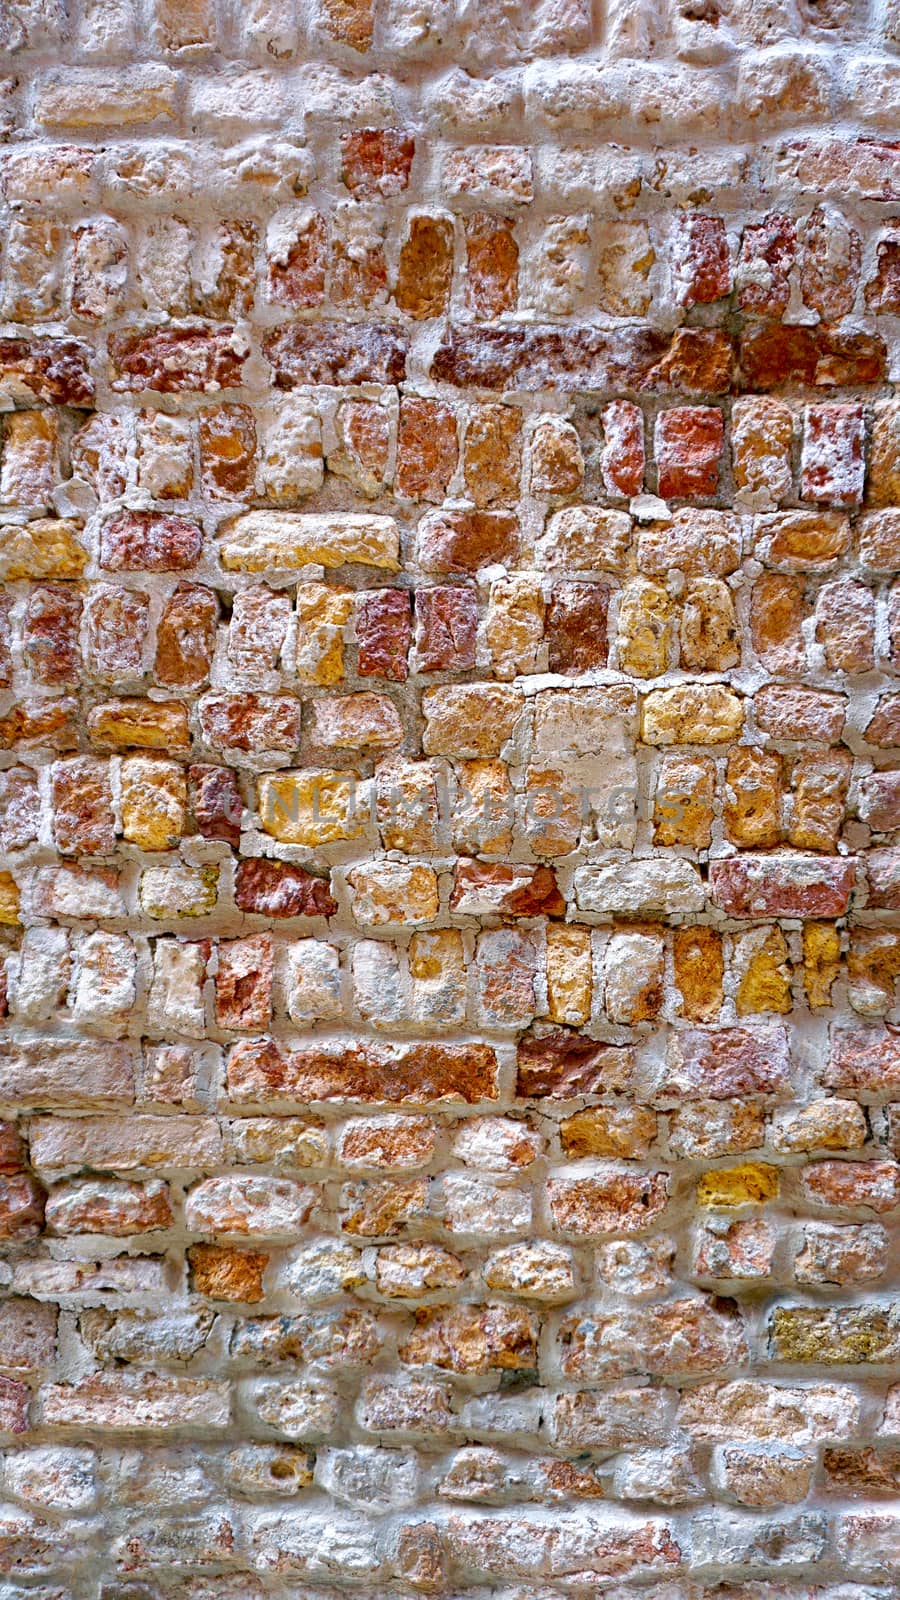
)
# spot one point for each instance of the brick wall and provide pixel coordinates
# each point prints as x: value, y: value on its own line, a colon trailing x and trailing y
x: 449, y: 516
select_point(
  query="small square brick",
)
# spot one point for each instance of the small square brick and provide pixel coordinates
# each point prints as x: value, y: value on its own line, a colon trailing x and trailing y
x: 376, y: 161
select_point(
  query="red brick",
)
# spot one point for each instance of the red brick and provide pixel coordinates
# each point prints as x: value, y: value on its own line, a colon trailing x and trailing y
x: 481, y: 887
x: 12, y: 1150
x: 575, y: 627
x: 772, y: 354
x: 788, y: 712
x: 427, y: 449
x: 384, y: 634
x: 56, y: 370
x: 335, y: 353
x: 186, y: 637
x: 50, y: 633
x: 296, y: 272
x: 782, y: 886
x: 768, y: 252
x: 727, y: 1063
x: 701, y: 260
x: 216, y: 802
x: 250, y: 721
x: 21, y: 1207
x: 698, y: 361
x: 864, y: 1060
x: 244, y: 983
x: 413, y: 1074
x: 688, y: 442
x: 376, y: 161
x: 464, y: 541
x: 83, y: 821
x: 492, y: 266
x: 149, y: 541
x: 281, y: 889
x: 190, y: 360
x: 446, y: 624
x: 534, y: 358
x: 563, y: 1065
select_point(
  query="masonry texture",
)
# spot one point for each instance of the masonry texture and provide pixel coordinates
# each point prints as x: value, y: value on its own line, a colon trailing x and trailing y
x: 449, y: 726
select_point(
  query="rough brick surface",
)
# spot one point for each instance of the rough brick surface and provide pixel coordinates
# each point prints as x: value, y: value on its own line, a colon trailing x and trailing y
x: 449, y: 799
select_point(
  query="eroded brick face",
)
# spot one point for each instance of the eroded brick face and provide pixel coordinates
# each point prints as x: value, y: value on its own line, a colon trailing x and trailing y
x: 449, y: 799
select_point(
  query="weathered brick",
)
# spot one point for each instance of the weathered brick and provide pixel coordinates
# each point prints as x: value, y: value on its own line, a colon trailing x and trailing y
x: 338, y: 585
x: 784, y: 886
x: 688, y: 442
x: 190, y: 360
x: 417, y: 1074
x: 147, y: 541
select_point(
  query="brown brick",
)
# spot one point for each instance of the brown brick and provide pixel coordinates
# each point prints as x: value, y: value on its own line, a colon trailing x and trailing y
x: 175, y: 360
x: 492, y: 266
x: 425, y: 269
x: 427, y: 449
x: 376, y: 161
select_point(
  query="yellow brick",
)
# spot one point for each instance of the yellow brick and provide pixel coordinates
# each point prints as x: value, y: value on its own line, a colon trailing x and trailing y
x: 692, y: 713
x: 257, y: 541
x: 753, y: 1183
x: 149, y: 724
x: 96, y: 97
x: 569, y: 978
x: 643, y: 629
x: 179, y: 891
x: 314, y: 807
x: 821, y: 961
x: 765, y: 983
x: 514, y: 626
x: 46, y: 548
x: 154, y: 803
x: 9, y: 900
x: 322, y: 614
